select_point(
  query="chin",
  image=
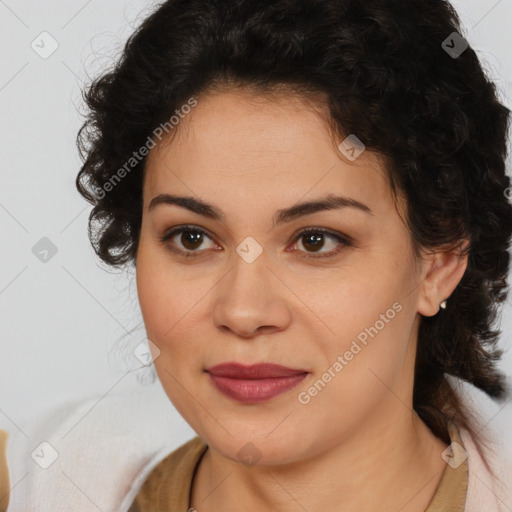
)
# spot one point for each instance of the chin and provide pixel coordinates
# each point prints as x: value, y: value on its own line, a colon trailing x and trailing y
x: 263, y: 450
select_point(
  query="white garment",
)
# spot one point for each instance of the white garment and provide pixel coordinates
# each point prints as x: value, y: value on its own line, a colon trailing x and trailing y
x: 102, y: 445
x: 107, y: 446
x: 484, y: 493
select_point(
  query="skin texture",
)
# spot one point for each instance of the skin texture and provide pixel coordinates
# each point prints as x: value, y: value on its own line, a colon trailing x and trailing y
x: 251, y: 156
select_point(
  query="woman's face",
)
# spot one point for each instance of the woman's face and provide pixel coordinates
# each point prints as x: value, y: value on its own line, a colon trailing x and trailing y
x: 247, y: 290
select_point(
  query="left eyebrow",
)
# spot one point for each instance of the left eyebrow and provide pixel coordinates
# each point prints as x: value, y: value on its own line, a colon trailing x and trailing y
x: 329, y: 202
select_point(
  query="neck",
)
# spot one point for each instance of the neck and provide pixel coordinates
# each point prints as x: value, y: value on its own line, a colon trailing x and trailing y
x: 392, y: 463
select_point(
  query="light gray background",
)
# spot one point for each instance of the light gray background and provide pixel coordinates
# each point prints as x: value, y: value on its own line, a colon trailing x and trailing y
x: 63, y: 322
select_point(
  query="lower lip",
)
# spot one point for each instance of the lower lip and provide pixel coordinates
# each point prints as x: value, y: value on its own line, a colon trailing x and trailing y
x: 253, y: 391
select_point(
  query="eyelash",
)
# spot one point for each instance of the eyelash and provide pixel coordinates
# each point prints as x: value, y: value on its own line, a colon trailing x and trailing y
x: 307, y: 231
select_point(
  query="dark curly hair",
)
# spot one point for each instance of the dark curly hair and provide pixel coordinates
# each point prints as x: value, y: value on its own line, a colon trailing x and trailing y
x: 387, y: 76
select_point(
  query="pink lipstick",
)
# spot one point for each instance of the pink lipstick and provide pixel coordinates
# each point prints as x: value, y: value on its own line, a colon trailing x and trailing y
x: 256, y: 383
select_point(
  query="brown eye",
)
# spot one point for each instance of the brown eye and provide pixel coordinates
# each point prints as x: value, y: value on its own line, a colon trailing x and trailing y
x: 186, y: 240
x: 314, y: 240
x: 191, y: 240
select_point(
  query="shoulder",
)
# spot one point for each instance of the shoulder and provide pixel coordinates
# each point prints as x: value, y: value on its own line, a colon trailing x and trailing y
x: 91, y: 449
x: 488, y: 478
x: 168, y: 483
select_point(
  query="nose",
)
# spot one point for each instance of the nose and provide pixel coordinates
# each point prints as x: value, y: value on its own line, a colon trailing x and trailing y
x: 251, y: 300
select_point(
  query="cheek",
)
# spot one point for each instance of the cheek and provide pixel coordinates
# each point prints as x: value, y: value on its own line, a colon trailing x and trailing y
x: 168, y: 314
x: 358, y: 376
x: 149, y: 291
x: 158, y: 293
x: 171, y: 306
x: 350, y: 304
x: 164, y: 310
x: 365, y: 319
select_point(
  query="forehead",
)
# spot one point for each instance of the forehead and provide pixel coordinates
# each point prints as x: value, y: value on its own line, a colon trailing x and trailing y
x: 234, y: 146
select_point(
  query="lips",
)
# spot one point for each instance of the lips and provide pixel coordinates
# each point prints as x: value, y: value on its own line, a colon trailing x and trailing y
x: 255, y: 383
x: 256, y: 371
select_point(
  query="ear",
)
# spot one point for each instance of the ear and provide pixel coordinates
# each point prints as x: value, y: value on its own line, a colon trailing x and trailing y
x: 442, y: 271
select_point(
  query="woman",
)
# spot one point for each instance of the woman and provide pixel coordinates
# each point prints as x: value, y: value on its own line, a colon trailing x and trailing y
x: 313, y: 194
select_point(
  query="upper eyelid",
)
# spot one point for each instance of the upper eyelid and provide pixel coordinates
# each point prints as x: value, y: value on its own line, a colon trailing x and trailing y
x: 178, y: 229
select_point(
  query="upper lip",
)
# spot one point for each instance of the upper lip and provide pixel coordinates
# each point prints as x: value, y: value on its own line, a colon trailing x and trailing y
x: 255, y: 371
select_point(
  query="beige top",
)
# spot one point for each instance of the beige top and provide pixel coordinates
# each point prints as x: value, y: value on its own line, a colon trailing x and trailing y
x: 4, y: 475
x: 167, y: 488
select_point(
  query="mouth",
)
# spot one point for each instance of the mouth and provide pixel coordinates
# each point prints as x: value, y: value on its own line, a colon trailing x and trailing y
x: 256, y: 383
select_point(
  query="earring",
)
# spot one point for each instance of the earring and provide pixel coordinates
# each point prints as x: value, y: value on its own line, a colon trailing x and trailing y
x: 442, y: 305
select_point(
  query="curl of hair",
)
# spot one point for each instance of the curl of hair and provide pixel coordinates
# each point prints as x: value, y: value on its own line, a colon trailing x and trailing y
x: 436, y: 119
